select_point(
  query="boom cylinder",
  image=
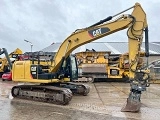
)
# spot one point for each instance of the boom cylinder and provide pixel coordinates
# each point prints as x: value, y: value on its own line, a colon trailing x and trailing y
x: 102, y: 21
x: 146, y: 43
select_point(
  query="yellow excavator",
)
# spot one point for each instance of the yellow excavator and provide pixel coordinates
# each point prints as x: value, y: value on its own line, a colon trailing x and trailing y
x: 99, y: 66
x: 5, y: 63
x: 57, y: 86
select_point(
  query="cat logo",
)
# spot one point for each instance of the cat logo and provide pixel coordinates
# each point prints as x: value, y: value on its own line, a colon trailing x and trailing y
x: 33, y: 68
x: 14, y: 56
x: 96, y: 32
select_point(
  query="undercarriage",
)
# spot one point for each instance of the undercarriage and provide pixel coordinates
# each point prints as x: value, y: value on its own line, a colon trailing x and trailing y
x: 59, y: 93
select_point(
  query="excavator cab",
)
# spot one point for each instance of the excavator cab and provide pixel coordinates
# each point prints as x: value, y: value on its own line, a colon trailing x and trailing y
x: 73, y: 68
x: 68, y: 69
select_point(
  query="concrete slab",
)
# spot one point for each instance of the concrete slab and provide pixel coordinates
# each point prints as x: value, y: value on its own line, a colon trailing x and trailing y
x: 103, y: 102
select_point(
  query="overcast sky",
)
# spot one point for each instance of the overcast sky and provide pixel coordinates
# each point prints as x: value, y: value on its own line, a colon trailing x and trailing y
x: 46, y: 21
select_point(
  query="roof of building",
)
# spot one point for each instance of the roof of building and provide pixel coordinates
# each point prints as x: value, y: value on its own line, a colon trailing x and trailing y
x: 114, y: 47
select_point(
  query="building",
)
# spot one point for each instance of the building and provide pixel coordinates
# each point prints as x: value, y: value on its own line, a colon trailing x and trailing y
x: 115, y: 48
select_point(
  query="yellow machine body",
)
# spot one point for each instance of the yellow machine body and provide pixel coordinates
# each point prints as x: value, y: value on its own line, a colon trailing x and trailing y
x: 99, y: 64
x: 22, y: 71
x: 136, y: 21
x: 4, y: 64
x: 64, y: 65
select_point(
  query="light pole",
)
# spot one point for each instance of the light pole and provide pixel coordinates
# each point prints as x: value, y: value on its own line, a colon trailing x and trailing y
x: 30, y: 43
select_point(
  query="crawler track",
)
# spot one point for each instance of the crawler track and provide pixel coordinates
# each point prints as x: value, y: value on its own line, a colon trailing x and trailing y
x: 42, y: 93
